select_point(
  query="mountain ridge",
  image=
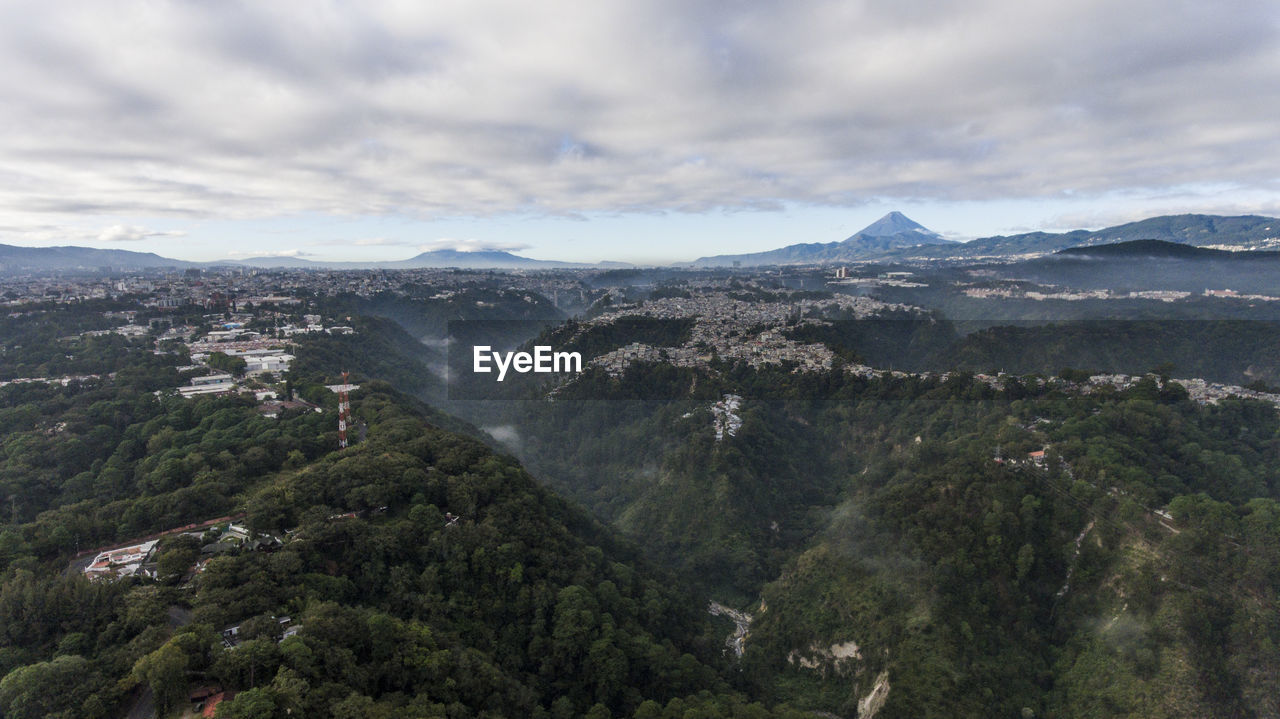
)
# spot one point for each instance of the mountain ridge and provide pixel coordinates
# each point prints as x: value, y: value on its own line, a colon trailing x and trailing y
x: 475, y: 259
x: 1161, y: 249
x: 73, y: 257
x: 15, y: 258
x: 893, y: 237
x: 1235, y: 232
x: 892, y: 231
x: 1240, y: 232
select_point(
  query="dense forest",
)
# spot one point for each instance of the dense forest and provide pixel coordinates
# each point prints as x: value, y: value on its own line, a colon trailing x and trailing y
x: 1244, y: 351
x: 46, y: 340
x: 424, y: 574
x: 906, y: 546
x: 904, y: 515
x: 903, y: 536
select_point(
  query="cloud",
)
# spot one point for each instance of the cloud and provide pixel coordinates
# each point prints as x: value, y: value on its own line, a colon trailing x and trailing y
x: 269, y: 253
x: 48, y: 234
x: 133, y: 233
x: 444, y: 243
x: 1226, y: 203
x: 366, y: 242
x: 471, y: 245
x: 506, y: 434
x: 248, y: 110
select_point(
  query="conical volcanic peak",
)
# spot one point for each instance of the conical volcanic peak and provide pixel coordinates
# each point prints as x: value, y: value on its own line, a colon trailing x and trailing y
x: 894, y: 223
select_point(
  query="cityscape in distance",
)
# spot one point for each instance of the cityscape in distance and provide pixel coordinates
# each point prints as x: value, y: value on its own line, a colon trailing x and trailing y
x: 746, y: 361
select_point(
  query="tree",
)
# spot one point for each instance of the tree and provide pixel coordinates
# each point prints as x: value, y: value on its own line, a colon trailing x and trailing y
x: 290, y: 691
x: 359, y: 706
x: 165, y: 671
x: 648, y: 709
x: 251, y: 704
x: 55, y: 689
x: 227, y: 363
x: 177, y: 557
x: 251, y: 663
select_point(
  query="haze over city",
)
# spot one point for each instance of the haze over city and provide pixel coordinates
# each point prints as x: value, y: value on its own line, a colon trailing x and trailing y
x: 649, y: 134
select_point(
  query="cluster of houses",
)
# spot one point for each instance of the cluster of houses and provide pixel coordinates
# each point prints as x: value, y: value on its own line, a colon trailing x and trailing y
x: 137, y: 559
x: 737, y: 330
x: 238, y: 538
x: 261, y: 356
x: 1232, y: 294
x: 129, y: 330
x: 130, y: 561
x: 1206, y: 392
x: 615, y: 363
x: 258, y: 361
x: 64, y: 381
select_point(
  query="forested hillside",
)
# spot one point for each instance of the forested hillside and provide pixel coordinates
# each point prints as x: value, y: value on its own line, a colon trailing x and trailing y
x: 1243, y: 351
x: 909, y: 546
x: 421, y: 574
x: 902, y: 551
x: 944, y: 548
x: 1052, y: 583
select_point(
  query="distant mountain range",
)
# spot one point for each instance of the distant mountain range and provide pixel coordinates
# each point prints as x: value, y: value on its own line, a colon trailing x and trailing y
x: 892, y: 238
x: 479, y: 259
x: 891, y: 232
x: 1146, y: 265
x: 1243, y: 232
x: 1162, y: 250
x: 69, y: 258
x: 14, y: 259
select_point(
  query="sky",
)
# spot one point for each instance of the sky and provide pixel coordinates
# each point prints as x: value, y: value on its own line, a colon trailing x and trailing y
x: 647, y: 132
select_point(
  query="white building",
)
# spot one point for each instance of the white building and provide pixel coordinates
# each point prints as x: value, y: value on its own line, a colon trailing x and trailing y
x: 256, y: 364
x: 208, y: 384
x: 121, y: 561
x: 210, y: 379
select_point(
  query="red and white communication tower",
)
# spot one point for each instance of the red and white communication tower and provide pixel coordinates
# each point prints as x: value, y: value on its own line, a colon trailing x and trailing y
x: 344, y: 412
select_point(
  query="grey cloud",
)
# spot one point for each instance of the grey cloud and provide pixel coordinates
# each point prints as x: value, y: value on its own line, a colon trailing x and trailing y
x: 257, y: 109
x: 1097, y: 220
x: 471, y: 245
x: 269, y: 253
x: 55, y: 233
x: 133, y: 233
